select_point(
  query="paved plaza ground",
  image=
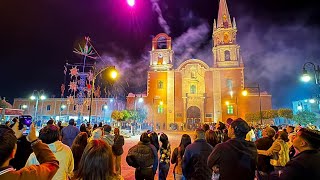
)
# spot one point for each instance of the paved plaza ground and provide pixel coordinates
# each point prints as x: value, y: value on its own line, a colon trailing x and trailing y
x: 174, y: 139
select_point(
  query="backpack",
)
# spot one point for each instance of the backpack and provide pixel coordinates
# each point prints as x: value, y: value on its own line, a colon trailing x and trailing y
x: 178, y: 169
x: 283, y: 155
x: 140, y: 156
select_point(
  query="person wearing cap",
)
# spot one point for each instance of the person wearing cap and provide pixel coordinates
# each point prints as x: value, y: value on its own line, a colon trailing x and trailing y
x: 194, y: 161
x: 306, y: 164
x: 69, y: 133
x: 235, y: 158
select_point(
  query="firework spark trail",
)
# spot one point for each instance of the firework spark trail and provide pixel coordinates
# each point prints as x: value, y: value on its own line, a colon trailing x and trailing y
x: 163, y: 23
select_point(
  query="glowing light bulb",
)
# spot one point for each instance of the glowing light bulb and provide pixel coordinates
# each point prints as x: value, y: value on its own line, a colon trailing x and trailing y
x: 131, y: 2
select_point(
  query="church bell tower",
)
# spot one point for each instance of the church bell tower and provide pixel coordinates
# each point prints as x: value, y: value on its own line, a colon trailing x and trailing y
x: 226, y: 51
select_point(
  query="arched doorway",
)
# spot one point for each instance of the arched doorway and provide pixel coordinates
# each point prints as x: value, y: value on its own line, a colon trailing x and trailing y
x: 193, y: 117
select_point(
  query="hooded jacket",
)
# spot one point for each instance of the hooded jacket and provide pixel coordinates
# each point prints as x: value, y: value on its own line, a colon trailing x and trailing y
x: 194, y: 162
x: 236, y: 158
x: 63, y: 154
x: 108, y: 138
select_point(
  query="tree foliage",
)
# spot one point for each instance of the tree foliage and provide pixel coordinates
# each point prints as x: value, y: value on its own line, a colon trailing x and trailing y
x: 3, y: 104
x: 126, y: 115
x: 305, y: 118
x: 117, y: 115
x: 252, y: 117
x: 269, y: 114
x: 285, y: 113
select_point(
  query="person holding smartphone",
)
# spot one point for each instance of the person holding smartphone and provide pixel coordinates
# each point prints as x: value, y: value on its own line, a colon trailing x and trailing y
x: 23, y: 145
x: 8, y: 147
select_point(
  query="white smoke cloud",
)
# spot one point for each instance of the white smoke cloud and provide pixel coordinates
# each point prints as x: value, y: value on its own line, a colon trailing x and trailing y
x: 274, y: 57
x: 193, y: 44
x: 163, y: 23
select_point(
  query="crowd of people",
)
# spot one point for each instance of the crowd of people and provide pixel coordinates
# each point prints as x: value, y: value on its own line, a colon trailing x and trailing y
x: 231, y: 150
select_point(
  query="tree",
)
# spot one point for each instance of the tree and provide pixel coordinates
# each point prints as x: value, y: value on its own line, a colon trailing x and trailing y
x: 252, y: 117
x: 285, y: 113
x: 3, y: 104
x: 117, y: 115
x: 126, y: 115
x: 305, y: 118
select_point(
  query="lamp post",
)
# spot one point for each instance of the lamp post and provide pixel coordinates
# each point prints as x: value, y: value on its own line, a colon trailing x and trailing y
x: 105, y: 109
x: 113, y: 75
x: 160, y: 103
x: 140, y: 100
x: 306, y: 76
x: 245, y: 93
x: 62, y: 107
x: 37, y: 95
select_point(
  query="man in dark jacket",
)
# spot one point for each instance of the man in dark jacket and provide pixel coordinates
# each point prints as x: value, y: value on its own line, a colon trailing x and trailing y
x: 264, y: 143
x: 194, y: 162
x: 144, y: 158
x: 236, y: 158
x: 306, y: 164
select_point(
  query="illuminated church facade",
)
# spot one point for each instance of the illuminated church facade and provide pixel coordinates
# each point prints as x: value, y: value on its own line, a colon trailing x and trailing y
x: 195, y: 92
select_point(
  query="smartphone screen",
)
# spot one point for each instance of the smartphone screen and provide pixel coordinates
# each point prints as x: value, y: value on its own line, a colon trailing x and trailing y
x: 27, y: 130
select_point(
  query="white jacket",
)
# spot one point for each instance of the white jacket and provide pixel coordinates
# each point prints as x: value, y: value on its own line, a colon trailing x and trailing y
x: 63, y: 154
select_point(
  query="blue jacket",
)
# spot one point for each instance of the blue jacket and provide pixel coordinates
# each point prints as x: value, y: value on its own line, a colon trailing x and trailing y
x: 194, y: 162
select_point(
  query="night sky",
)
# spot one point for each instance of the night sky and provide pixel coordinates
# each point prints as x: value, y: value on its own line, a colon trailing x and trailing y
x: 37, y: 37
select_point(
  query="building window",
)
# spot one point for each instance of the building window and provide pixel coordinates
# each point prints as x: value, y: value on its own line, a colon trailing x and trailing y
x: 193, y: 89
x: 20, y: 107
x: 48, y: 107
x: 229, y: 109
x: 88, y: 107
x: 160, y: 84
x: 227, y: 55
x: 75, y: 107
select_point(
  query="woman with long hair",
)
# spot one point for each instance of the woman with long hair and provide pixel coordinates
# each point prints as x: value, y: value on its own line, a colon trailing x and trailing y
x: 165, y: 152
x: 177, y: 156
x: 212, y: 137
x: 97, y: 163
x: 154, y: 140
x: 77, y: 148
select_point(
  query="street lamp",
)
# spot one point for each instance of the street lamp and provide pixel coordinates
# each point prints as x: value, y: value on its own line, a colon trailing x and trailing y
x: 62, y: 107
x: 245, y: 93
x: 105, y: 109
x: 113, y: 75
x: 140, y: 100
x: 36, y: 95
x: 306, y: 76
x: 160, y: 103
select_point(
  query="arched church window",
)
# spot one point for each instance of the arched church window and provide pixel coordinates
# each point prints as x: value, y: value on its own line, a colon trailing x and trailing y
x: 160, y: 84
x: 162, y: 43
x: 227, y: 55
x: 193, y: 89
